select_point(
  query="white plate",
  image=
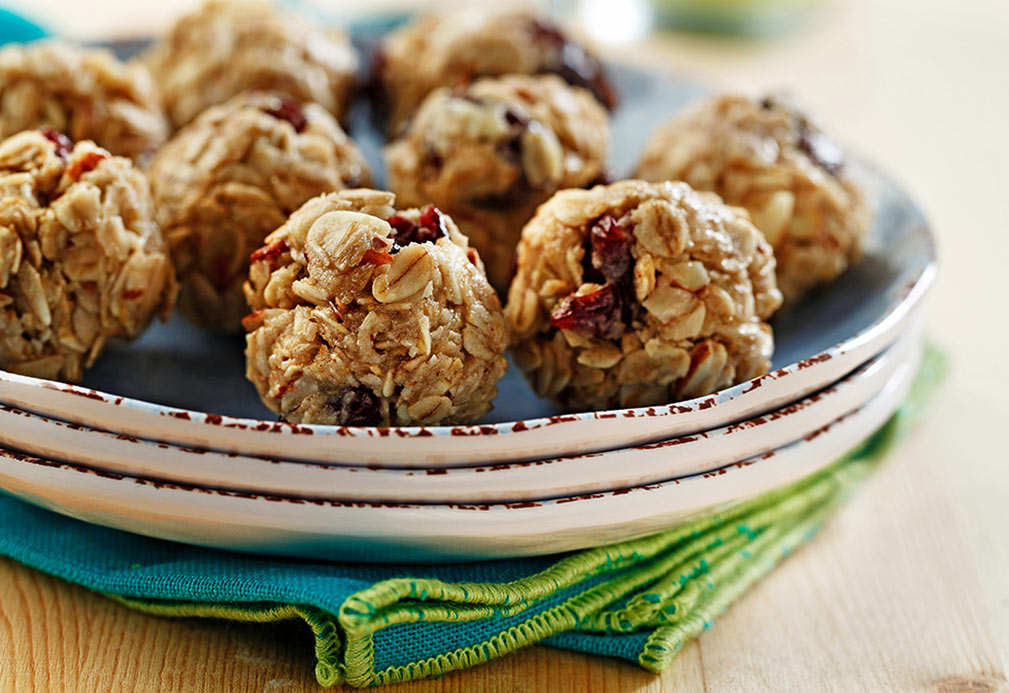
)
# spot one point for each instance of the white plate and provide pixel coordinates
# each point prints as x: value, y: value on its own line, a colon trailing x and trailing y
x: 187, y: 387
x: 502, y: 483
x: 389, y: 532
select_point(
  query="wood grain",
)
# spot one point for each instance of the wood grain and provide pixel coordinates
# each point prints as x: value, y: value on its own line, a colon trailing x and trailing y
x: 906, y: 590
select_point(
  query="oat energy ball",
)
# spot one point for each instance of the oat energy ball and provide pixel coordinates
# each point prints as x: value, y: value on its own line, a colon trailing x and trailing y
x: 491, y: 154
x: 81, y: 257
x: 231, y: 177
x: 365, y: 315
x: 86, y: 94
x: 636, y: 293
x: 226, y: 47
x: 447, y: 49
x: 769, y: 158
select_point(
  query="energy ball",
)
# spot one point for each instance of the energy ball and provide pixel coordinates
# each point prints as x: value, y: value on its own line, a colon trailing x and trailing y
x: 227, y: 47
x: 769, y: 158
x: 447, y: 49
x: 85, y: 94
x: 231, y: 177
x: 81, y: 256
x: 489, y: 155
x: 366, y: 315
x: 635, y: 294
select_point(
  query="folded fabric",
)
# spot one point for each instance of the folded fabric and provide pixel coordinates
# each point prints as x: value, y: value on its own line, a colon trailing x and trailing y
x: 641, y: 600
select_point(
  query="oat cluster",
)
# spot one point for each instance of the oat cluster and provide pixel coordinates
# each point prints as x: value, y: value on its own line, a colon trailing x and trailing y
x: 229, y: 178
x: 489, y: 155
x: 85, y: 94
x: 226, y: 47
x: 81, y: 256
x: 451, y: 48
x: 640, y: 293
x: 769, y: 158
x: 368, y: 315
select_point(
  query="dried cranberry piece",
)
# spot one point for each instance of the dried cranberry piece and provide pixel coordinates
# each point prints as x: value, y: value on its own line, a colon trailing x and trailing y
x: 597, y: 314
x: 86, y: 162
x: 355, y: 406
x: 286, y: 108
x: 611, y: 249
x: 268, y: 252
x: 63, y: 144
x: 430, y: 227
x: 376, y: 257
x: 821, y: 149
x: 573, y: 64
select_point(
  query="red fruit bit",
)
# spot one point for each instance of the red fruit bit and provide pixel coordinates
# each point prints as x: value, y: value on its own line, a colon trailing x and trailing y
x: 430, y: 227
x: 270, y: 251
x: 253, y: 320
x: 63, y: 144
x: 86, y: 162
x: 574, y: 64
x: 375, y: 257
x: 285, y: 108
x: 611, y: 249
x: 131, y: 294
x: 595, y: 314
x: 355, y: 406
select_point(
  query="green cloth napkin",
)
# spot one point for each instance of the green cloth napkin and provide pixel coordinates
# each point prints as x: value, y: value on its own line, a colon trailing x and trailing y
x: 375, y: 624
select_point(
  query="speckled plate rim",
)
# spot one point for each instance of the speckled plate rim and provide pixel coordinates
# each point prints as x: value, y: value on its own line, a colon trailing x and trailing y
x: 334, y: 530
x: 531, y: 439
x: 499, y: 483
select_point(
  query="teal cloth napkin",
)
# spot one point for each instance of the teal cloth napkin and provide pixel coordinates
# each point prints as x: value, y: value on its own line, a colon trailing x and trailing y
x: 641, y: 600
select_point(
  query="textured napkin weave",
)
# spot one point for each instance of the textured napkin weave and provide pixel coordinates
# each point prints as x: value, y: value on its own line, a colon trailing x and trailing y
x: 374, y: 624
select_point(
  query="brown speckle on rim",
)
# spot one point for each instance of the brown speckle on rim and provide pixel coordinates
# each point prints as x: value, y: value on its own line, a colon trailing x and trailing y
x: 424, y: 433
x: 812, y: 361
x: 212, y: 419
x: 706, y: 404
x: 184, y: 415
x: 90, y: 394
x: 436, y: 472
x: 519, y: 426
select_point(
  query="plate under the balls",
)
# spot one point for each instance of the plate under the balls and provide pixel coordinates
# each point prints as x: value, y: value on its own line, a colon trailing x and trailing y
x: 187, y: 387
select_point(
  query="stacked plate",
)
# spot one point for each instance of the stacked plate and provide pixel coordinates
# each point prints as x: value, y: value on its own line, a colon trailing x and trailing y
x: 166, y: 438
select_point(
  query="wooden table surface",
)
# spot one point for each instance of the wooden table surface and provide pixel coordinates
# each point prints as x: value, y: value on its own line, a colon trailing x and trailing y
x: 907, y: 589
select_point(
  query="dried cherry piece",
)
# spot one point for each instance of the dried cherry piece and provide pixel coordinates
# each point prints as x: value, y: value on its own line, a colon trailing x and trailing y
x: 355, y: 406
x: 286, y: 108
x: 268, y: 252
x: 611, y: 249
x: 86, y: 162
x: 376, y: 257
x: 63, y: 144
x: 821, y: 149
x: 574, y: 65
x: 430, y: 227
x: 597, y: 314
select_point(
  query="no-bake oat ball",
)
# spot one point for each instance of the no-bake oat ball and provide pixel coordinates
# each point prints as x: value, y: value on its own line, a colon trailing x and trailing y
x: 451, y: 48
x: 368, y: 315
x: 490, y: 154
x: 85, y: 94
x: 226, y: 47
x: 636, y: 293
x: 771, y: 159
x: 232, y: 176
x: 81, y: 256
